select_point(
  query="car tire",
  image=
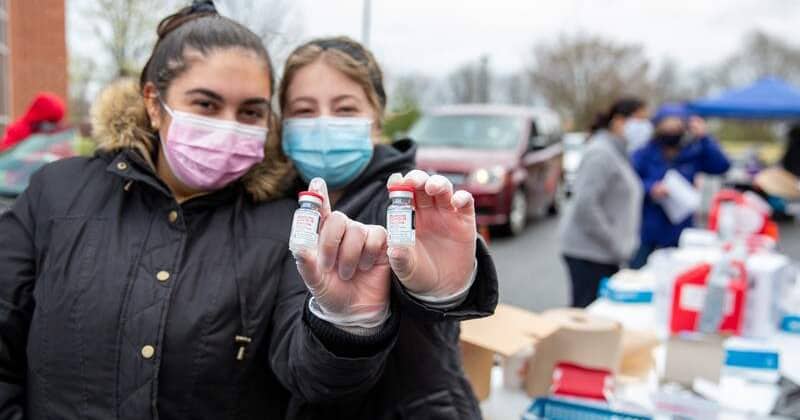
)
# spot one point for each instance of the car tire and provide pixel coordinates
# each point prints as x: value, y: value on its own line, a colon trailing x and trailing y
x: 517, y: 215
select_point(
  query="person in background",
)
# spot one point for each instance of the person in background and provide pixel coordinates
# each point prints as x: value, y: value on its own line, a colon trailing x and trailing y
x: 332, y: 102
x: 791, y: 157
x: 638, y: 130
x: 44, y: 115
x: 682, y: 143
x: 599, y: 231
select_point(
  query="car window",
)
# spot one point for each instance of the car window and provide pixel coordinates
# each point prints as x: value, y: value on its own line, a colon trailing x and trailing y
x: 18, y: 164
x: 468, y: 131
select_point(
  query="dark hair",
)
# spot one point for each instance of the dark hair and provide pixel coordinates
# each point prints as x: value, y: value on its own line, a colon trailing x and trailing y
x: 198, y: 27
x: 791, y: 157
x: 624, y: 107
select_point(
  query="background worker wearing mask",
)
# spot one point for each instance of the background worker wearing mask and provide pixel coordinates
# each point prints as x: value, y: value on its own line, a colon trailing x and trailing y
x: 682, y: 143
x: 600, y: 229
x: 332, y: 99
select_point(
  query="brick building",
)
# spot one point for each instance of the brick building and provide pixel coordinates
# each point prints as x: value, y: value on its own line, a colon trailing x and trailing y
x: 33, y: 53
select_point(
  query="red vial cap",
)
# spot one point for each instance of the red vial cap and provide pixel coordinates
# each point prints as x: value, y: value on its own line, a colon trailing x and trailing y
x: 407, y: 188
x: 311, y: 194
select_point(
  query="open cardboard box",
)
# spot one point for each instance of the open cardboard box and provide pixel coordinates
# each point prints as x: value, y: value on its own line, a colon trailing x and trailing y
x: 511, y: 330
x: 506, y: 333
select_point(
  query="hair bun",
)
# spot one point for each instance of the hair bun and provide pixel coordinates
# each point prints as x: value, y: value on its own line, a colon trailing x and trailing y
x: 202, y: 6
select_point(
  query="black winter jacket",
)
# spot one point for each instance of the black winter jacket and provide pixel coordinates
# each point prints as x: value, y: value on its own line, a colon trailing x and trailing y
x: 423, y: 377
x: 118, y: 303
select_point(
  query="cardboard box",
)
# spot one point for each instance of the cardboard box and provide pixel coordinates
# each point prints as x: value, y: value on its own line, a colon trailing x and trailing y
x: 579, y: 338
x: 509, y: 331
x: 691, y: 356
x: 557, y: 336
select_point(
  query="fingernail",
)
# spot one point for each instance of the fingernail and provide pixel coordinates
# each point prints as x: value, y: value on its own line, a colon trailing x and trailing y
x: 346, y: 272
x: 395, y: 177
x: 315, y: 184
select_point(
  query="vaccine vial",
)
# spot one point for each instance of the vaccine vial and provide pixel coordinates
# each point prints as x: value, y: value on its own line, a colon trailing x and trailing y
x: 305, y: 224
x: 400, y: 216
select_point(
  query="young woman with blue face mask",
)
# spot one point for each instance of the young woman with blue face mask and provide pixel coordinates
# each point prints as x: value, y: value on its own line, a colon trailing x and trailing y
x: 332, y: 101
x: 154, y: 280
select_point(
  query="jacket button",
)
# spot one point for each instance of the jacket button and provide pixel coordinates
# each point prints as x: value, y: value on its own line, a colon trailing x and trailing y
x: 148, y: 351
x: 162, y: 276
x: 173, y: 216
x: 122, y: 166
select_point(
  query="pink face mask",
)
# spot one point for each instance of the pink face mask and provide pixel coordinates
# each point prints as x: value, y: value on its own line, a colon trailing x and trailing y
x: 207, y: 154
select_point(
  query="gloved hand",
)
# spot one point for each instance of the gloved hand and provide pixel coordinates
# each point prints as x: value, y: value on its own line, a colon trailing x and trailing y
x: 442, y: 262
x: 348, y: 275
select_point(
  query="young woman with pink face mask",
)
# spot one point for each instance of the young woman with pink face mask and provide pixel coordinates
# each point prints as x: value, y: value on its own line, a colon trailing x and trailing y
x: 154, y: 280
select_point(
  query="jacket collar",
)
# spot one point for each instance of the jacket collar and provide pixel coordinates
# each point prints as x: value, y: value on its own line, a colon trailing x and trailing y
x: 132, y: 167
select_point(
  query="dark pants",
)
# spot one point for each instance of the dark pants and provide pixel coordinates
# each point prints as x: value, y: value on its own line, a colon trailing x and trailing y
x: 640, y: 259
x: 586, y: 276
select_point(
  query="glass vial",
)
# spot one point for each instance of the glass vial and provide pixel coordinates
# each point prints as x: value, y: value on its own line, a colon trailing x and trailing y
x: 400, y: 216
x: 305, y: 224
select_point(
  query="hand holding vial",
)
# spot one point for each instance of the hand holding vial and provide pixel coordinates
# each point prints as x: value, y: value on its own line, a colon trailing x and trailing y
x: 439, y: 258
x: 346, y: 267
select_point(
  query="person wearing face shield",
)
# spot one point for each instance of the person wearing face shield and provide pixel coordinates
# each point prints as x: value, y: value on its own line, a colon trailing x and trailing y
x: 599, y: 231
x: 332, y: 101
x: 682, y: 143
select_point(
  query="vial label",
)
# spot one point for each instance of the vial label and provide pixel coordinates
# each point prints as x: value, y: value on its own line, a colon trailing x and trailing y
x: 400, y: 224
x: 305, y: 228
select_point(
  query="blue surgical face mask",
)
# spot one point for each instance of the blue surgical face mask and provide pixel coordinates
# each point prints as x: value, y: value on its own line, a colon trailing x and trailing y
x: 332, y: 148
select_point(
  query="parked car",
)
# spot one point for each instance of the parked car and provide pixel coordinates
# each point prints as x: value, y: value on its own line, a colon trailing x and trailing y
x: 18, y: 164
x: 574, y: 144
x: 509, y: 158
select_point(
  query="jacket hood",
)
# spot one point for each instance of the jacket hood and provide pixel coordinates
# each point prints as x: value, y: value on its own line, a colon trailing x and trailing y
x: 120, y: 121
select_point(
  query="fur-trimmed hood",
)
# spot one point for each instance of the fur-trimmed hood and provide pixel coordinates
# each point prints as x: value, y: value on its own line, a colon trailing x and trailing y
x: 120, y: 121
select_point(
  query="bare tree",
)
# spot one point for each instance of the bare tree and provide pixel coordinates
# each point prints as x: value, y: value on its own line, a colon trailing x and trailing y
x: 761, y: 55
x: 581, y: 75
x: 126, y: 31
x: 82, y: 70
x: 671, y: 84
x: 471, y: 82
x: 277, y: 22
x: 409, y: 91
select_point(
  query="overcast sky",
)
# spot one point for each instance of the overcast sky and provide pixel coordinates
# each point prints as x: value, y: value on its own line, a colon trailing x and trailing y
x: 435, y: 36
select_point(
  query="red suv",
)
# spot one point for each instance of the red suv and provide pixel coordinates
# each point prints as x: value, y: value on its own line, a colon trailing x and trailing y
x: 509, y: 158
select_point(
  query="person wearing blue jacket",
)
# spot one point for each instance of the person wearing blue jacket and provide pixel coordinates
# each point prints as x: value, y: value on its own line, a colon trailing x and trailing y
x: 681, y: 142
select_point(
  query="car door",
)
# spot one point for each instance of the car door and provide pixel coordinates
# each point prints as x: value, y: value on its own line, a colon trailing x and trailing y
x: 543, y: 163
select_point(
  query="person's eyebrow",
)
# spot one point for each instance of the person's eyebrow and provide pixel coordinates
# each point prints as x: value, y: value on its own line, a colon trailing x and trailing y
x: 256, y: 101
x: 206, y: 92
x: 303, y: 99
x: 343, y: 97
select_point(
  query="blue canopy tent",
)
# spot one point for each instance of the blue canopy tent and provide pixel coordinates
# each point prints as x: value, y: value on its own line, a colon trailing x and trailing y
x: 767, y: 99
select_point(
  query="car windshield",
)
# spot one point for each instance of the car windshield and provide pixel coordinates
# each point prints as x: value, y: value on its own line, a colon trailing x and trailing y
x: 468, y: 131
x: 18, y: 164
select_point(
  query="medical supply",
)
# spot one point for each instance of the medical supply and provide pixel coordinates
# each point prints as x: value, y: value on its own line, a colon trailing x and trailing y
x: 628, y: 286
x: 790, y: 306
x: 400, y: 216
x: 689, y: 298
x: 753, y: 360
x: 305, y: 224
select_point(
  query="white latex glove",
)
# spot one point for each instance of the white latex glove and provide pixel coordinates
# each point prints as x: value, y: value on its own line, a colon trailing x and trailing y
x: 442, y: 262
x: 349, y: 274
